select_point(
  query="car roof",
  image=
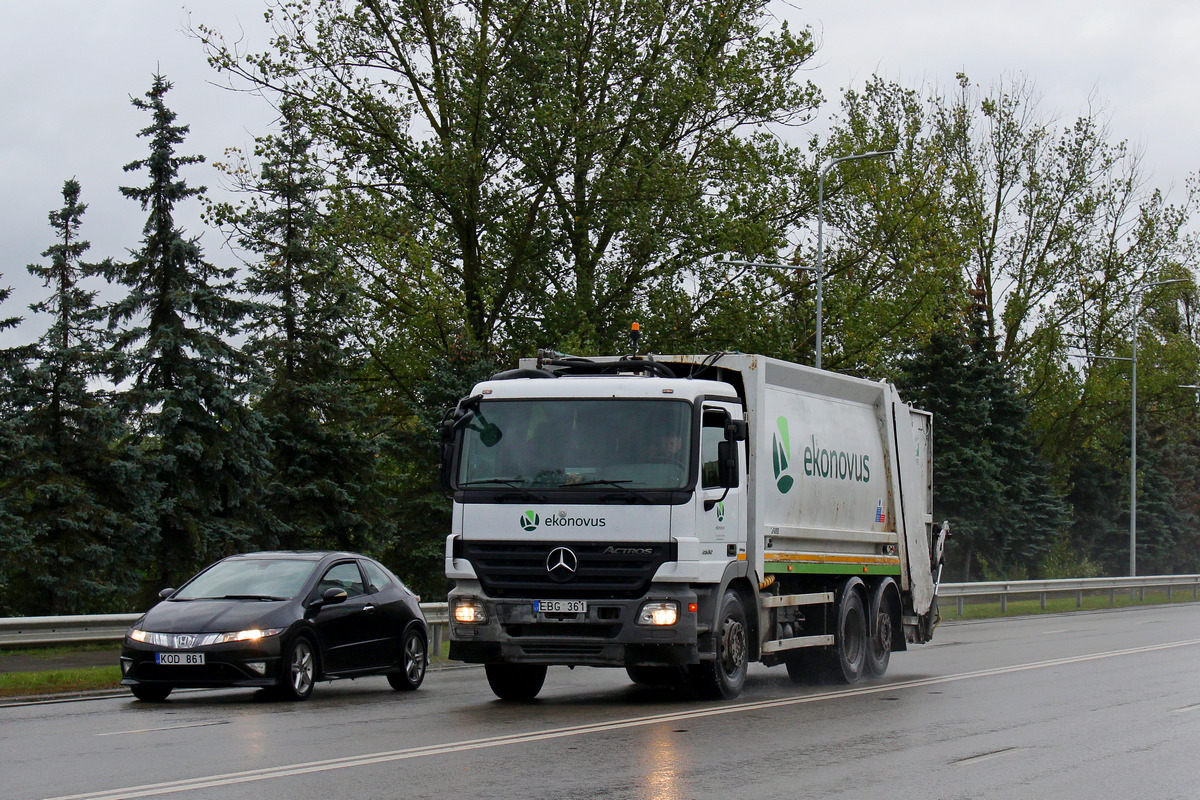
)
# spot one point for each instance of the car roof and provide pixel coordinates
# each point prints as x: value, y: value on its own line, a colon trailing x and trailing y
x: 297, y: 555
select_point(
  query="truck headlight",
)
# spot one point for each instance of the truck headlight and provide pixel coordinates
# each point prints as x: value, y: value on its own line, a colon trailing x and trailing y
x: 665, y: 612
x: 469, y: 611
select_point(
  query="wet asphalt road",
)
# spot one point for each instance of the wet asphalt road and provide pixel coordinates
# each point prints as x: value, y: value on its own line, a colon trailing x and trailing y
x: 1093, y: 705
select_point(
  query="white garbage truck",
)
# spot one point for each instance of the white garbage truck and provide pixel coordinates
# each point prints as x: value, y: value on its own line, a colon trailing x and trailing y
x: 683, y: 516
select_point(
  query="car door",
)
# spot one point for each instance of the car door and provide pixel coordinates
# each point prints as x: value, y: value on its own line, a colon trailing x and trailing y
x: 392, y: 613
x: 348, y: 630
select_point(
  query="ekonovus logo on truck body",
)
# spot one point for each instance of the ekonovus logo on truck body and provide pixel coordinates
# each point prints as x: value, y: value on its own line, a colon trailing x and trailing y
x: 530, y: 521
x: 818, y: 461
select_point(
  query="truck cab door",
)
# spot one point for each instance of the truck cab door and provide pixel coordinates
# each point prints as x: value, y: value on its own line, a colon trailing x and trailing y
x: 720, y: 523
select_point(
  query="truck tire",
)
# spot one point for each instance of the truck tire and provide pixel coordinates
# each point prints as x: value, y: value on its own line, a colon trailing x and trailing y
x: 724, y: 676
x: 515, y: 681
x: 879, y: 643
x: 848, y: 659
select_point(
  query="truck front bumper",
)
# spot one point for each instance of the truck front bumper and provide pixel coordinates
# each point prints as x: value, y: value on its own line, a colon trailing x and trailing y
x: 606, y: 635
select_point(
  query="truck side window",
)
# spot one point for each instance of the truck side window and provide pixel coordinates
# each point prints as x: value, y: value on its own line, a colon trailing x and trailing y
x: 712, y: 433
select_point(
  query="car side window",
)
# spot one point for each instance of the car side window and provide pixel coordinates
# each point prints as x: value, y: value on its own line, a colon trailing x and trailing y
x: 377, y: 579
x: 342, y: 576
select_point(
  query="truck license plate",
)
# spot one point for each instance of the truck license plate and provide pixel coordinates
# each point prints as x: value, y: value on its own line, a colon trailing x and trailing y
x: 560, y: 606
x: 188, y: 659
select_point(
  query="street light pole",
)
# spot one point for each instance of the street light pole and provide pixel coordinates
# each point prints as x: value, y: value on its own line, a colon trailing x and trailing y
x: 824, y: 170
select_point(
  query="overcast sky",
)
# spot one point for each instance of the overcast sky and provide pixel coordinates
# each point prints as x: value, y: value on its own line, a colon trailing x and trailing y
x: 70, y: 67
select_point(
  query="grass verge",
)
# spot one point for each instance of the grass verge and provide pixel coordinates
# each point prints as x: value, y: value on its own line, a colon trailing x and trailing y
x: 58, y: 681
x: 987, y: 608
x: 69, y: 680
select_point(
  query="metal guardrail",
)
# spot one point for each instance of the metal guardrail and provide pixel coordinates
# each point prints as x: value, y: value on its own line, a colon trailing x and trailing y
x: 1005, y: 590
x: 18, y: 631
x: 82, y: 629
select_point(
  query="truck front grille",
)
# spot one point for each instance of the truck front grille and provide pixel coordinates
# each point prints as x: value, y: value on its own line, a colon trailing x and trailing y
x: 612, y: 570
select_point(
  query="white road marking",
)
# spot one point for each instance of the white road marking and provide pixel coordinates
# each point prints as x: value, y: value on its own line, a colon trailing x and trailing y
x: 288, y: 770
x: 989, y: 756
x: 1186, y: 709
x: 166, y: 728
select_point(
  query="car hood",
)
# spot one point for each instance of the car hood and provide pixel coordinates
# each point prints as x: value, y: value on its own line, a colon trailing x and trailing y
x: 218, y: 616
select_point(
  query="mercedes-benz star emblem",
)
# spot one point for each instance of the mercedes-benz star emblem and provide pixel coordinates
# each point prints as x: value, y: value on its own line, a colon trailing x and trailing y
x: 562, y: 563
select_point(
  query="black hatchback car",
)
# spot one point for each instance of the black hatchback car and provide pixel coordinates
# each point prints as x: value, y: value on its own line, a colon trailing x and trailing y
x: 280, y: 621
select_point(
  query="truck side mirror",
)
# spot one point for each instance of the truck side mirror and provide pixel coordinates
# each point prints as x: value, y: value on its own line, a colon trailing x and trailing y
x: 727, y: 464
x: 445, y: 468
x: 736, y: 430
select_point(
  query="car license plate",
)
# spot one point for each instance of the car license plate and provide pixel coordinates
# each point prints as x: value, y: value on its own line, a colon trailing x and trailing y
x: 560, y: 606
x: 188, y: 659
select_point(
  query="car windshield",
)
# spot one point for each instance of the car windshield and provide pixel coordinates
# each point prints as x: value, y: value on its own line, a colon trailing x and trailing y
x: 568, y: 443
x: 249, y: 579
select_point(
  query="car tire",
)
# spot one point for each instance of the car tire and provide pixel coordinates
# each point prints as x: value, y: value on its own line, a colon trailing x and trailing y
x: 151, y: 693
x: 297, y: 670
x: 515, y: 681
x: 414, y: 658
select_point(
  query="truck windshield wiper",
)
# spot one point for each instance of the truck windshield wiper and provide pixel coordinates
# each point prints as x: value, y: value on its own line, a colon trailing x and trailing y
x: 617, y: 484
x: 249, y: 597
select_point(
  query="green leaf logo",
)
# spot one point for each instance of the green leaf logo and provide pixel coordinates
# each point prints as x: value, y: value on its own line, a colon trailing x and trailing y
x: 720, y: 512
x: 530, y: 521
x: 781, y: 451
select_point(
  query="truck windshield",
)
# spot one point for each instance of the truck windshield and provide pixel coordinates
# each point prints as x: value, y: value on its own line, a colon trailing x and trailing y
x: 571, y: 444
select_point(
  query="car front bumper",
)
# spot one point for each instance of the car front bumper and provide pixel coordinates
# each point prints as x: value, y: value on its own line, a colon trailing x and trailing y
x: 229, y: 664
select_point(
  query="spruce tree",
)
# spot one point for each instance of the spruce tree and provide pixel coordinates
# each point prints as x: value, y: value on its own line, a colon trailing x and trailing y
x: 323, y: 489
x: 13, y: 539
x: 82, y: 533
x: 183, y: 379
x: 989, y: 480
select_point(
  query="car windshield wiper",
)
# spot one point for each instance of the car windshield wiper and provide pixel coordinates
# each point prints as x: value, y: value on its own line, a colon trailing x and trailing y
x: 237, y: 597
x: 617, y: 484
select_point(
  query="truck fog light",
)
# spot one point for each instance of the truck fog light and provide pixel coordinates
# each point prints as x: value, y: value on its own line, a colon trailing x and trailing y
x: 469, y: 611
x: 258, y: 666
x: 659, y: 613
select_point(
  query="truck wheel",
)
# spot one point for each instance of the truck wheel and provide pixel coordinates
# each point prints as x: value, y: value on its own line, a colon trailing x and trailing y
x: 724, y: 676
x: 849, y: 656
x: 515, y: 681
x: 879, y: 643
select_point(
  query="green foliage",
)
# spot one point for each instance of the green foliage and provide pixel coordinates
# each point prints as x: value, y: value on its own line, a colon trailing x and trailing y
x: 564, y: 166
x: 77, y: 535
x: 989, y: 481
x: 323, y: 490
x: 202, y: 448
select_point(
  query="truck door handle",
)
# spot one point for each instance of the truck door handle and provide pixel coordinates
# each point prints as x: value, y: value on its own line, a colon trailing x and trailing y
x: 370, y: 609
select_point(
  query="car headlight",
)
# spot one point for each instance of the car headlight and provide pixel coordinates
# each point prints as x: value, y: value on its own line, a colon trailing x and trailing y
x: 150, y: 637
x: 659, y: 613
x: 469, y: 611
x: 249, y: 635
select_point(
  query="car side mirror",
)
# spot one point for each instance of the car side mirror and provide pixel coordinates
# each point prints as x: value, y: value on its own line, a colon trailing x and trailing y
x: 165, y: 593
x: 333, y: 596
